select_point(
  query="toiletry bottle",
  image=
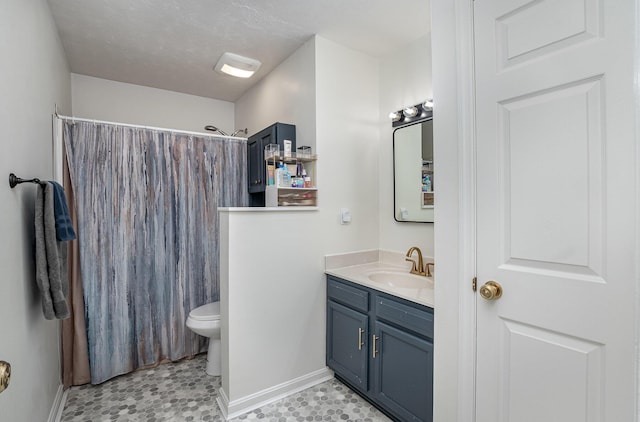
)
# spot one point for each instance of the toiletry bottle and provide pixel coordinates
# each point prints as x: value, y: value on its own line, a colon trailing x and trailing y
x: 427, y: 183
x: 306, y: 179
x: 279, y: 173
x: 287, y: 148
x: 286, y: 177
x: 270, y: 175
x: 297, y: 182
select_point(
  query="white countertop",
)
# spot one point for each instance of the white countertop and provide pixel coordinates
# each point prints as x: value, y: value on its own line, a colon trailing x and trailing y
x: 359, y: 274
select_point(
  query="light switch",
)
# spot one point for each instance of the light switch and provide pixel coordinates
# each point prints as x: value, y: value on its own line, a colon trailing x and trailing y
x: 345, y: 216
x: 404, y: 214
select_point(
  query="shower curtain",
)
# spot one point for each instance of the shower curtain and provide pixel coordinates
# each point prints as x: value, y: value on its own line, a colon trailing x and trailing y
x: 146, y: 205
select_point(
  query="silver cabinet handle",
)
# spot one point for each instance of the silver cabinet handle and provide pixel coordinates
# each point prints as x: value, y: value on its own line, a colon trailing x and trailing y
x: 360, y: 342
x: 375, y: 346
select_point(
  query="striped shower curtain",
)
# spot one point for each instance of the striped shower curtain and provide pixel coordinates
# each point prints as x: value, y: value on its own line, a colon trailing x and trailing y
x: 146, y: 203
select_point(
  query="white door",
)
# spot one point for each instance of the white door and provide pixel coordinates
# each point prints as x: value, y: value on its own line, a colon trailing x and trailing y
x: 556, y: 209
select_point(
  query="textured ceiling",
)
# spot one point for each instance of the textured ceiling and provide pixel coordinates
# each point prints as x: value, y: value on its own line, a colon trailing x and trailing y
x: 174, y: 44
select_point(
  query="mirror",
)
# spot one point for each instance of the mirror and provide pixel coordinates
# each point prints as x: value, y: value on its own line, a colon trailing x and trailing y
x: 413, y: 172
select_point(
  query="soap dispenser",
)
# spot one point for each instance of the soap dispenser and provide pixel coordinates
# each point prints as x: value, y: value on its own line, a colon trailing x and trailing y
x: 286, y: 177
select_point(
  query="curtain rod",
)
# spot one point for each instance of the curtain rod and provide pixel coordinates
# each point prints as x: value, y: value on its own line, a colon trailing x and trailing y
x: 163, y: 129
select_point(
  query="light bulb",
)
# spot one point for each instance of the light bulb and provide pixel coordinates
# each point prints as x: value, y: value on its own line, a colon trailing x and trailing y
x: 395, y: 115
x: 410, y: 111
x: 428, y: 105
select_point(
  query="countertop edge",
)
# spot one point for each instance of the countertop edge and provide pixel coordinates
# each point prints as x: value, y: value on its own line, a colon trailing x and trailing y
x: 352, y: 274
x: 266, y: 209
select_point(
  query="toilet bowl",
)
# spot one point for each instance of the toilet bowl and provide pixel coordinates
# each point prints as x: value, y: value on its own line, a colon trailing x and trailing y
x: 205, y: 321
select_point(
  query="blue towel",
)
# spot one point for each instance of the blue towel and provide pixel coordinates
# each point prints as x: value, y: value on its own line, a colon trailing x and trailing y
x: 64, y: 228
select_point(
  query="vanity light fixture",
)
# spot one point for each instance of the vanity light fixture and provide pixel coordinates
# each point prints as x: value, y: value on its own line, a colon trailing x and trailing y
x: 237, y: 65
x: 428, y: 105
x: 412, y: 114
x: 410, y: 111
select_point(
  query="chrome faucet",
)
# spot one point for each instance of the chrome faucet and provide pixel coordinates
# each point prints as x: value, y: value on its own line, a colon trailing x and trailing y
x: 419, y: 267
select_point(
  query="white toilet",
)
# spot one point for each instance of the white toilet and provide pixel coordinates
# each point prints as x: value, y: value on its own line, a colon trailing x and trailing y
x: 205, y: 320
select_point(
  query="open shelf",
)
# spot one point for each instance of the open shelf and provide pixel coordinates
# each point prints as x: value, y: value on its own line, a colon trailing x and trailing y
x: 287, y: 196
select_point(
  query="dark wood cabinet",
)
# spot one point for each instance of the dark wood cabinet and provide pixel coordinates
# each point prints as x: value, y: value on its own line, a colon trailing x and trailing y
x: 382, y: 347
x: 274, y: 134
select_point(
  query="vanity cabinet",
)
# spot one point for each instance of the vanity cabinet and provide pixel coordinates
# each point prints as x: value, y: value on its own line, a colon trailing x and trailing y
x: 382, y: 347
x: 274, y: 134
x: 346, y: 356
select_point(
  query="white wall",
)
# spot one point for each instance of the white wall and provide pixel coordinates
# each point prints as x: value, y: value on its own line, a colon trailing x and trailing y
x: 405, y: 79
x: 347, y: 143
x: 35, y: 77
x: 273, y: 297
x: 285, y: 95
x: 286, y: 250
x: 330, y: 93
x: 448, y: 231
x: 101, y: 99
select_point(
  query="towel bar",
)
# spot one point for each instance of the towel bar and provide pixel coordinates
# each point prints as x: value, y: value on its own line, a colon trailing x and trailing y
x: 15, y: 180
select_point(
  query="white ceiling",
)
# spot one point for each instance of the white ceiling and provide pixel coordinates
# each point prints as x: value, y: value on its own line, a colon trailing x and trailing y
x: 174, y: 44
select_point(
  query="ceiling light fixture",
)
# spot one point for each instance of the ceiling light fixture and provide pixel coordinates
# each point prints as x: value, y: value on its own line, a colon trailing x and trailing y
x: 237, y: 65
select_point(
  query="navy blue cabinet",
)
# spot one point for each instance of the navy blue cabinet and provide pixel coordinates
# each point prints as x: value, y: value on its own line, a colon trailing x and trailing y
x: 347, y: 345
x: 403, y: 370
x: 382, y: 347
x: 256, y: 173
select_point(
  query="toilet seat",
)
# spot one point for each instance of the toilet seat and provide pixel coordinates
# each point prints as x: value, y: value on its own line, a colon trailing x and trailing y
x: 207, y: 312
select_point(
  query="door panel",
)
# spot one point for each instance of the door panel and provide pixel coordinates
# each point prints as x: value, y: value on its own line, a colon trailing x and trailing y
x: 520, y: 37
x: 403, y: 369
x: 549, y: 376
x: 556, y: 221
x: 254, y: 165
x: 551, y: 153
x: 347, y: 344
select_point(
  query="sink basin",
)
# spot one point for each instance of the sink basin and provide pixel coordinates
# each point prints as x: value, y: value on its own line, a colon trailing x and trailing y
x: 401, y: 280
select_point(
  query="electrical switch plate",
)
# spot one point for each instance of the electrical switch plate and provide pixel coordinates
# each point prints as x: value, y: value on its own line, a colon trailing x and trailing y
x: 345, y: 216
x: 404, y: 214
x: 5, y: 375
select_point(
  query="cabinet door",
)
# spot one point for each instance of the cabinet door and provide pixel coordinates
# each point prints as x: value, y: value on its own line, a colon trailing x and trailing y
x: 255, y: 165
x: 347, y: 334
x: 403, y: 373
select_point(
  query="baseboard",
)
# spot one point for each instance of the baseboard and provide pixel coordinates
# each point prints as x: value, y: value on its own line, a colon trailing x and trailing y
x: 246, y: 404
x: 223, y: 403
x: 58, y: 405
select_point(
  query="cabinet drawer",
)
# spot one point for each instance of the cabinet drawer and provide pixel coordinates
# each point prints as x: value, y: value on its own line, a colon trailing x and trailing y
x: 409, y: 317
x: 348, y: 295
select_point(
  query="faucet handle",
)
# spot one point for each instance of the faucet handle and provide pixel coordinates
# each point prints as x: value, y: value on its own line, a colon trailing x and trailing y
x: 433, y: 266
x: 414, y: 267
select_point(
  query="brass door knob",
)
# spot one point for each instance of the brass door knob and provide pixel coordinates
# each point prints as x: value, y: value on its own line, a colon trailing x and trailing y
x: 491, y: 290
x: 5, y: 375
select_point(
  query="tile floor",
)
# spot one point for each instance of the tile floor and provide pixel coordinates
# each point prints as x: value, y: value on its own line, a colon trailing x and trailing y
x: 183, y: 392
